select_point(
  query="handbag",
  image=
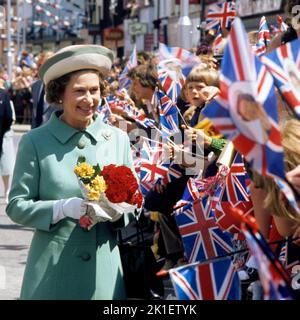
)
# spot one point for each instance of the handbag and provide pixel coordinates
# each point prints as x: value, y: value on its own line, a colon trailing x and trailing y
x: 140, y: 268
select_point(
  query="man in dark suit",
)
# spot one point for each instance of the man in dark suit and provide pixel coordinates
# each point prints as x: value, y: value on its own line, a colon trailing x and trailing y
x: 6, y: 115
x: 41, y: 111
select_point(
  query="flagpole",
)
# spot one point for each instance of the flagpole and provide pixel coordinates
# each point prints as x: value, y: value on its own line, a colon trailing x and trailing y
x: 187, y: 152
x: 107, y: 104
x: 174, y: 104
x: 181, y: 116
x: 9, y: 53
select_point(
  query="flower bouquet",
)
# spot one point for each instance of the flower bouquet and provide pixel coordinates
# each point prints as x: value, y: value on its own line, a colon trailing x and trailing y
x: 109, y: 193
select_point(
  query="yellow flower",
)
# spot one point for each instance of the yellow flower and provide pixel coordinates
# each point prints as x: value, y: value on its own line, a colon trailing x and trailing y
x: 99, y: 184
x: 93, y: 195
x: 84, y: 170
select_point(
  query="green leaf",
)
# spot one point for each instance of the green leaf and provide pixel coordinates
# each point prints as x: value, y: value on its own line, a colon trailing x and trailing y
x: 97, y: 170
x: 81, y: 159
x: 86, y: 180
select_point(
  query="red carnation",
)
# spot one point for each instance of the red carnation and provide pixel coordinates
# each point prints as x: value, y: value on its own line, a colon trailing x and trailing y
x: 121, y: 183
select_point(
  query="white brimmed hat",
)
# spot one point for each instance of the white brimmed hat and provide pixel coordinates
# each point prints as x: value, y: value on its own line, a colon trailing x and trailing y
x: 74, y: 58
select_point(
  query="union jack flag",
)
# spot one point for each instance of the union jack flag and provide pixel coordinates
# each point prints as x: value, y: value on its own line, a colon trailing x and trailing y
x: 171, y: 77
x: 174, y: 172
x: 191, y: 193
x: 138, y: 117
x: 216, y: 280
x: 116, y: 103
x: 234, y: 189
x: 124, y: 81
x: 198, y: 188
x: 257, y: 138
x: 202, y: 238
x: 104, y: 112
x: 284, y: 64
x: 234, y: 195
x: 222, y: 13
x: 264, y: 38
x: 281, y: 24
x: 273, y: 277
x: 217, y: 44
x: 187, y: 59
x: 259, y: 49
x: 154, y: 164
x: 168, y: 113
x: 263, y: 31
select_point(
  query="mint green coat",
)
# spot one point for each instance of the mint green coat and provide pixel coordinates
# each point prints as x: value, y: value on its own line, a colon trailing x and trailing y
x: 64, y: 261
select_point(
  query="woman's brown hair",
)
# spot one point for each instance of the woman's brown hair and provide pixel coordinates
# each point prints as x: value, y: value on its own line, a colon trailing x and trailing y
x: 55, y: 88
x: 146, y: 75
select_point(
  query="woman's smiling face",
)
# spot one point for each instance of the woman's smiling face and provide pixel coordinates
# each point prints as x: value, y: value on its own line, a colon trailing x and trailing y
x: 81, y: 99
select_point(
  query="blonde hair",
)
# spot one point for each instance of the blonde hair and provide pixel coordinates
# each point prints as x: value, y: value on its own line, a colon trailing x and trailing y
x: 206, y: 75
x: 200, y: 74
x: 290, y: 142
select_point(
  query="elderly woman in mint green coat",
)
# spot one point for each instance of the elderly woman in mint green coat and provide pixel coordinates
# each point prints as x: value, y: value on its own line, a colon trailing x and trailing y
x: 65, y: 261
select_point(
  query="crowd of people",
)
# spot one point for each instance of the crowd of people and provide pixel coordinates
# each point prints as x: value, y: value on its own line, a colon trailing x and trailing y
x: 75, y: 102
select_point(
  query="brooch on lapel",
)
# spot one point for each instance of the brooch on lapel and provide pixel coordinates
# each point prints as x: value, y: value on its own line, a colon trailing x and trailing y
x: 106, y: 134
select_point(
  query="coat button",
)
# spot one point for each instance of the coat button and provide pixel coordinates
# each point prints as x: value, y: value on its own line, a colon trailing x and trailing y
x: 86, y: 256
x: 81, y: 144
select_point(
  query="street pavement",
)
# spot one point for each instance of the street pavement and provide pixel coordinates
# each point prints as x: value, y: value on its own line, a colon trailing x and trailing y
x: 14, y: 243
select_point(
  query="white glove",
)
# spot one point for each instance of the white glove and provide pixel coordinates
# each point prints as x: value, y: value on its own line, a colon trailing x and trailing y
x: 71, y: 207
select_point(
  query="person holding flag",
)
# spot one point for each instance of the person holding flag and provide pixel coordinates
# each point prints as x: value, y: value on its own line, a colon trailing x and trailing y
x: 146, y: 85
x: 200, y: 87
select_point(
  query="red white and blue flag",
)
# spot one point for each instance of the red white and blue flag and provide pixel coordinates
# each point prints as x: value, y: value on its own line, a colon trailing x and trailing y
x: 198, y: 188
x: 104, y: 112
x: 264, y: 37
x: 234, y: 195
x: 246, y: 109
x: 284, y: 65
x: 138, y: 116
x: 222, y: 13
x: 155, y: 167
x: 273, y: 278
x: 263, y: 31
x: 187, y: 59
x: 218, y: 42
x: 202, y: 238
x: 124, y: 81
x: 168, y: 113
x: 255, y: 136
x: 154, y: 164
x: 191, y: 193
x: 282, y: 26
x: 217, y: 280
x: 171, y: 77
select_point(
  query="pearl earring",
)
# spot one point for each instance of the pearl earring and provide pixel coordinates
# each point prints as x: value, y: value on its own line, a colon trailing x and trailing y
x: 60, y: 101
